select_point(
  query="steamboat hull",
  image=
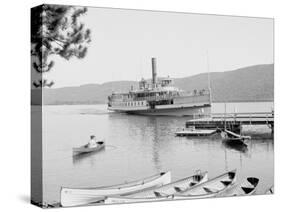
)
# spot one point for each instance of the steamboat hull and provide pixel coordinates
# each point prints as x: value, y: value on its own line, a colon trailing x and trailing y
x: 194, y: 112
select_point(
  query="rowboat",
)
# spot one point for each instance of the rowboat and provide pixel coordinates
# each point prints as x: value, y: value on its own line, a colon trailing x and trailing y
x: 164, y: 192
x: 246, y: 188
x: 210, y: 188
x: 233, y: 138
x: 86, y: 149
x: 270, y: 190
x: 84, y: 196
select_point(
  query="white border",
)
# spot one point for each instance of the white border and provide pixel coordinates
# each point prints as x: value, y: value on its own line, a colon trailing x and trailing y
x: 15, y: 112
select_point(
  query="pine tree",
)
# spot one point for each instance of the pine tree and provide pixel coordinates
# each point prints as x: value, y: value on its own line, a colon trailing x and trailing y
x: 56, y: 30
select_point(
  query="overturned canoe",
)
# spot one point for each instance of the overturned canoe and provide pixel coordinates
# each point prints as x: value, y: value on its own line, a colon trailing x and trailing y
x: 164, y: 192
x: 85, y: 149
x: 84, y: 196
x: 210, y: 188
x: 246, y: 188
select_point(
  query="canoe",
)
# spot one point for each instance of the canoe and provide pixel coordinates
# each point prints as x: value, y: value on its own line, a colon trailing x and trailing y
x: 85, y: 149
x: 120, y: 199
x: 246, y: 188
x: 164, y: 192
x: 270, y: 190
x: 84, y: 196
x: 210, y: 188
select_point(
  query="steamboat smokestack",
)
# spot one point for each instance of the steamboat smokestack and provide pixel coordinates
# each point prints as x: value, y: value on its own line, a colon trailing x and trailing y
x: 154, y: 73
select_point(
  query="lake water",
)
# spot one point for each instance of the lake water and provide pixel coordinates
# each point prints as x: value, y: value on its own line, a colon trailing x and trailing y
x: 140, y: 146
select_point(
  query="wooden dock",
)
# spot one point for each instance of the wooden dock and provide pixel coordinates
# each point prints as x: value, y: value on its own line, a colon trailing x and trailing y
x: 232, y: 121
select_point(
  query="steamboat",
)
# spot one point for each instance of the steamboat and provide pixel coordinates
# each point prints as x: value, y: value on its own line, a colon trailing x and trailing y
x: 160, y: 97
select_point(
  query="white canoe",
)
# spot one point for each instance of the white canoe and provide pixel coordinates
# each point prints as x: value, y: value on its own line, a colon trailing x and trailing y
x: 85, y: 149
x: 164, y: 192
x: 84, y: 196
x: 210, y: 188
x: 246, y: 188
x: 120, y: 199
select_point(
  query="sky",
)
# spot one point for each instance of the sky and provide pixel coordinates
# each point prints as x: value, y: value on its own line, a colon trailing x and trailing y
x: 123, y: 42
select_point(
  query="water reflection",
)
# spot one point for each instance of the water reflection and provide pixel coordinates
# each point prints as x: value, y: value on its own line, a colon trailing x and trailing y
x: 154, y: 125
x: 86, y: 157
x: 237, y: 147
x: 149, y: 133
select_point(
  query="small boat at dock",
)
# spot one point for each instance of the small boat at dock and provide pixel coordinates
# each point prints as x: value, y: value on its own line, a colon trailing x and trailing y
x: 210, y: 188
x: 193, y: 132
x: 231, y: 137
x: 86, y: 149
x: 164, y: 192
x: 83, y: 196
x: 246, y: 188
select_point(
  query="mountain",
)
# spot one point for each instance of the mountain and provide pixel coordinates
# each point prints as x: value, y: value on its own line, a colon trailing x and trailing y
x: 253, y: 83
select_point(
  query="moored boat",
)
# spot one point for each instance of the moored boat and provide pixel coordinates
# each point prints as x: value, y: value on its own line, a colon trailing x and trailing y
x: 210, y: 188
x: 233, y: 138
x: 86, y: 149
x: 235, y: 141
x: 164, y: 192
x: 84, y: 196
x: 246, y: 188
x: 193, y: 132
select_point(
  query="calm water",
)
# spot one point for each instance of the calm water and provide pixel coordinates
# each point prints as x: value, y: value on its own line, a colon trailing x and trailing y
x: 140, y: 146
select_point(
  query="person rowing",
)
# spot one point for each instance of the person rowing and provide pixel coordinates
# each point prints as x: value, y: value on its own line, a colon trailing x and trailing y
x: 93, y: 145
x: 93, y: 142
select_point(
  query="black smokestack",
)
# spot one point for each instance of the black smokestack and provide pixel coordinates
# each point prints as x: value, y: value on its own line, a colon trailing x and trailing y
x: 154, y: 73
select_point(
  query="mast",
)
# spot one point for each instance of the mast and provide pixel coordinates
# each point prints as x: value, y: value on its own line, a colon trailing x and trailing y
x: 209, y: 78
x: 224, y: 116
